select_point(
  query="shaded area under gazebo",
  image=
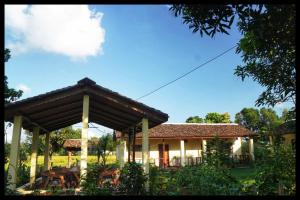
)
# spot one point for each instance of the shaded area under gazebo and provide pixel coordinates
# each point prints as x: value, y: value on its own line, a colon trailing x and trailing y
x: 83, y: 102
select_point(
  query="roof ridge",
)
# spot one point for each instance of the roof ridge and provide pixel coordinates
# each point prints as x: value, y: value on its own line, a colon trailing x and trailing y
x: 200, y: 124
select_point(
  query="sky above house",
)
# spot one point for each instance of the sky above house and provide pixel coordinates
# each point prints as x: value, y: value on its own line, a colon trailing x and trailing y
x: 130, y: 49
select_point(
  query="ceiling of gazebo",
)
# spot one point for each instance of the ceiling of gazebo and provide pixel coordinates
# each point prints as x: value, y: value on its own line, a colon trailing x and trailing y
x: 63, y: 107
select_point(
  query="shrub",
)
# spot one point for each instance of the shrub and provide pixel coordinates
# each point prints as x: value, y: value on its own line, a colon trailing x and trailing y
x: 162, y: 182
x: 132, y: 179
x: 207, y: 179
x: 90, y: 182
x: 276, y: 172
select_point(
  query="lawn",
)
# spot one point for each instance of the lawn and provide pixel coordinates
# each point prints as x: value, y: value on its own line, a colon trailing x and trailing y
x: 62, y: 161
x: 244, y: 175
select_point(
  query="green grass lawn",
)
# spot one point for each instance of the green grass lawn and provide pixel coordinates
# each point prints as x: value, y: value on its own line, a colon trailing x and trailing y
x: 244, y: 175
x: 62, y: 161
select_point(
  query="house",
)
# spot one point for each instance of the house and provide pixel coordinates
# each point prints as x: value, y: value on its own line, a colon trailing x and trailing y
x: 286, y: 131
x: 173, y: 144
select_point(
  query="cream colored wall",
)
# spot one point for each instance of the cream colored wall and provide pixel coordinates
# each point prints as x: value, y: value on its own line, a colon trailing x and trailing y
x: 193, y: 148
x: 288, y: 138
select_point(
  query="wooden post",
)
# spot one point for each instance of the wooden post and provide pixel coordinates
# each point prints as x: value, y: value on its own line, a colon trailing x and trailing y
x: 182, y: 152
x: 69, y: 158
x: 14, y: 151
x: 163, y: 154
x: 145, y: 149
x: 46, y: 154
x: 122, y: 151
x: 133, y: 146
x: 84, y: 137
x: 35, y: 140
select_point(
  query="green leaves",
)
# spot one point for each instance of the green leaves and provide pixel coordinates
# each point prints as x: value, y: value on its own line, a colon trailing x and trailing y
x: 267, y: 45
x: 132, y: 179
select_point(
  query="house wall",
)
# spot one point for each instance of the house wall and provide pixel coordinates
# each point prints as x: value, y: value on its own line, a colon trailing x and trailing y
x: 288, y: 138
x: 193, y: 148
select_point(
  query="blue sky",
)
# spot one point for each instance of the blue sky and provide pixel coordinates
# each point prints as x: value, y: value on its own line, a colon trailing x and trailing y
x: 138, y: 48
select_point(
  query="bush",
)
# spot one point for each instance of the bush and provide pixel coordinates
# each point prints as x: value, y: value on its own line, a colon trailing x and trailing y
x: 207, y: 179
x: 161, y: 182
x: 276, y: 171
x: 132, y: 179
x: 90, y: 182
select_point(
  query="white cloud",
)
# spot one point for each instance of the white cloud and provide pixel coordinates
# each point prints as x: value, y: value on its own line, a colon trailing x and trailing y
x: 71, y: 30
x: 24, y: 88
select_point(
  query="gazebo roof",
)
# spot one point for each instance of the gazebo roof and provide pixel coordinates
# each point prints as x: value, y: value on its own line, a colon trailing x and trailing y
x: 63, y: 107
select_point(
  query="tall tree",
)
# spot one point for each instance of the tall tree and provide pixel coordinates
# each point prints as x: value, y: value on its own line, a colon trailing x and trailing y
x: 194, y: 119
x: 10, y: 94
x: 105, y: 144
x: 269, y: 120
x: 249, y: 118
x: 267, y: 45
x: 214, y: 117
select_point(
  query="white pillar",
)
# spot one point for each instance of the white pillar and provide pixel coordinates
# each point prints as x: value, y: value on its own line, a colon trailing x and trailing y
x: 35, y: 140
x: 182, y: 152
x: 84, y: 136
x: 145, y: 149
x: 251, y: 149
x: 204, y: 147
x: 14, y: 151
x: 46, y: 153
x: 237, y: 146
x: 122, y: 152
x: 271, y: 140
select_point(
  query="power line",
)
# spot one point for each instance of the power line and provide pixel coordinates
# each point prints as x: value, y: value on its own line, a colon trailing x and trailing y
x: 187, y: 72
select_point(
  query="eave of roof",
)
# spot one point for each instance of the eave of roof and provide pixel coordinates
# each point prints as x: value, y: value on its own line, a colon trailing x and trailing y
x: 196, y: 130
x: 63, y: 107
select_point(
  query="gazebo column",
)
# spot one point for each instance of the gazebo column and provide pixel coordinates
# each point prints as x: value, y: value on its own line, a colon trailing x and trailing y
x: 14, y: 151
x: 46, y: 153
x: 122, y: 151
x: 69, y: 159
x: 84, y: 134
x: 35, y: 140
x: 145, y: 149
x: 251, y: 149
x: 182, y: 153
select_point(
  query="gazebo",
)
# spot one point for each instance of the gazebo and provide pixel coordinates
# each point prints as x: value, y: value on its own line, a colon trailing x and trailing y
x: 83, y: 102
x: 71, y: 145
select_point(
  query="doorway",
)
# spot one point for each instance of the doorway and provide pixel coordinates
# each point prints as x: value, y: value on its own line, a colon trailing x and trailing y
x: 163, y: 155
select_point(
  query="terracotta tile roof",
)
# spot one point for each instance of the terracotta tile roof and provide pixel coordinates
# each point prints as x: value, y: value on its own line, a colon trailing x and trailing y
x: 196, y: 130
x: 75, y: 144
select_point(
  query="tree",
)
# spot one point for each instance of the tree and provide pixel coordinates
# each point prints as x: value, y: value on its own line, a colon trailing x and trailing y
x: 214, y: 117
x: 288, y: 115
x: 218, y: 151
x: 105, y: 144
x: 267, y: 45
x: 10, y: 94
x: 58, y: 138
x: 269, y: 121
x: 249, y: 118
x: 195, y: 119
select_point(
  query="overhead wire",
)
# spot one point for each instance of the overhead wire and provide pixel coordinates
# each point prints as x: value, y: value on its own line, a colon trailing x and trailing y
x: 187, y: 73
